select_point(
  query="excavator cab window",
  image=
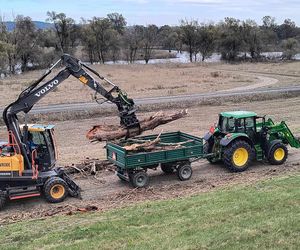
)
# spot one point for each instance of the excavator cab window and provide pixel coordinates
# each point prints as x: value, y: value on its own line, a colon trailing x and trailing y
x: 45, y: 148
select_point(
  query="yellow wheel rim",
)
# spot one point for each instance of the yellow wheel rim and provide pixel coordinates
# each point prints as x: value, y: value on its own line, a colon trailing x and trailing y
x: 240, y: 157
x: 279, y: 154
x: 57, y: 191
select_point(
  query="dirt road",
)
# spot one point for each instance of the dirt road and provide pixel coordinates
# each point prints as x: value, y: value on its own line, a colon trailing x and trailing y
x: 238, y: 91
x: 106, y: 191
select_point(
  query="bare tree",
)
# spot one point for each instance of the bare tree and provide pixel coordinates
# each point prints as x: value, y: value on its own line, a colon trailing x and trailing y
x: 63, y: 26
x: 26, y: 40
x: 290, y: 48
x: 133, y: 37
x: 189, y: 36
x: 205, y: 43
x: 88, y: 40
x: 252, y: 36
x: 230, y: 38
x: 118, y: 22
x: 101, y: 28
x: 150, y: 35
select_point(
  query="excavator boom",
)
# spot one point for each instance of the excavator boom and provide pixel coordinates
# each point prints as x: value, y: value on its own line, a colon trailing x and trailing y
x: 29, y: 172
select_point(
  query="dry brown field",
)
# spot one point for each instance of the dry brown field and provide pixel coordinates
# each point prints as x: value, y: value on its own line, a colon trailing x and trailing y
x: 158, y: 80
x: 161, y: 80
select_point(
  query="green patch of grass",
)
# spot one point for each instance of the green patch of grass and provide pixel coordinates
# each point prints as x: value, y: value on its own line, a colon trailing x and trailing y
x: 262, y: 216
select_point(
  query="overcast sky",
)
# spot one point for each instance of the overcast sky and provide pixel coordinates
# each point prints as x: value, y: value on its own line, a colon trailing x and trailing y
x: 155, y: 12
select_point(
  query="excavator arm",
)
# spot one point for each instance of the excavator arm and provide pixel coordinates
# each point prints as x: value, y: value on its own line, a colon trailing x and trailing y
x: 31, y: 95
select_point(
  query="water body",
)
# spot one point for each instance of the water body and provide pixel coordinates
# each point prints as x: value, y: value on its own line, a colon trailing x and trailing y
x: 184, y: 57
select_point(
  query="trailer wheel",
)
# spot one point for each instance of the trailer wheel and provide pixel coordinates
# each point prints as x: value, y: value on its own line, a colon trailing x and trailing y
x: 139, y: 179
x: 238, y: 155
x: 184, y: 171
x: 2, y: 200
x: 55, y: 189
x: 167, y: 168
x: 278, y: 154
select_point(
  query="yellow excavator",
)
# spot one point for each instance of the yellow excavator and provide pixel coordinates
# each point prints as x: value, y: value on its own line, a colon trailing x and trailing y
x: 28, y: 160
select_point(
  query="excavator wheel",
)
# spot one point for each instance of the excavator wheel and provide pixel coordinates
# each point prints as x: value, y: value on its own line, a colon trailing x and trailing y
x: 278, y: 154
x: 2, y: 200
x: 55, y: 189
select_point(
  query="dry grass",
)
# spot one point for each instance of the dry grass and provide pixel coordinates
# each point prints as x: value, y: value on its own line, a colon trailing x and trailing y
x: 74, y: 147
x: 160, y: 80
x: 136, y: 80
x: 288, y: 73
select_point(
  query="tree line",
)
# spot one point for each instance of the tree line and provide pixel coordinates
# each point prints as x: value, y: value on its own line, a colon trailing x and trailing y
x: 103, y: 39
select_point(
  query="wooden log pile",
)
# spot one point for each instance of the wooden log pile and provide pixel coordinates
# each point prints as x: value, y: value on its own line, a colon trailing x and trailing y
x: 89, y: 167
x: 112, y: 132
x: 134, y: 145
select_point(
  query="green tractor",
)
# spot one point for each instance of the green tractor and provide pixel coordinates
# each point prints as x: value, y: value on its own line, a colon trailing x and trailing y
x: 241, y: 137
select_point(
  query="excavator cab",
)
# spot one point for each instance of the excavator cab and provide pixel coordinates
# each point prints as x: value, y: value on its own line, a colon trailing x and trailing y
x: 41, y: 177
x: 41, y: 145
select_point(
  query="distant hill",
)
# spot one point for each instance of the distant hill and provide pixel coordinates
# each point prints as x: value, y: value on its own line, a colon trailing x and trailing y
x: 40, y: 25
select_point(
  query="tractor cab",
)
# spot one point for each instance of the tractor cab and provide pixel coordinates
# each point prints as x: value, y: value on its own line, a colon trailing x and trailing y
x: 238, y: 122
x: 242, y: 136
x: 41, y: 145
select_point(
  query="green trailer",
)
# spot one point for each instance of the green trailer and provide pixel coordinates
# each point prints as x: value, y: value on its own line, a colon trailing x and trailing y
x: 239, y: 138
x: 133, y: 166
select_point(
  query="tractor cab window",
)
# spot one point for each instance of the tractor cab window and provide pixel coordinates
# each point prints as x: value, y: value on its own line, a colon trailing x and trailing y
x: 227, y: 124
x: 240, y: 124
x: 250, y: 128
x: 245, y: 125
x: 249, y: 122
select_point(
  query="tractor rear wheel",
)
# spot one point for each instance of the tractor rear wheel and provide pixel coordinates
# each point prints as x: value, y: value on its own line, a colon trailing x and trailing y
x: 238, y: 155
x: 278, y: 154
x: 55, y: 189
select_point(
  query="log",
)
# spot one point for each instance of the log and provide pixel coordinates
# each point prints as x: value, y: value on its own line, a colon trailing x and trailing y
x: 155, y: 145
x: 145, y: 145
x: 91, y: 166
x: 112, y: 132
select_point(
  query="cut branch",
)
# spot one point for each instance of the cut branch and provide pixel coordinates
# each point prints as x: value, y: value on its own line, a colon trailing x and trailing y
x: 147, y: 144
x: 112, y: 132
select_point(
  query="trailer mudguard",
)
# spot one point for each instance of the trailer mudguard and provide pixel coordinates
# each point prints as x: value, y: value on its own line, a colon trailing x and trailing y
x: 231, y: 137
x: 207, y: 136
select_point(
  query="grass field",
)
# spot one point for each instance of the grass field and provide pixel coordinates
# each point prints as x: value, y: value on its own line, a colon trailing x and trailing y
x: 265, y: 215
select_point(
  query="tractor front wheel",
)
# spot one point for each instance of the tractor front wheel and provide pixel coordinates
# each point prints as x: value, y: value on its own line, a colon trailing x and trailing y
x: 278, y: 154
x: 55, y: 190
x: 238, y: 155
